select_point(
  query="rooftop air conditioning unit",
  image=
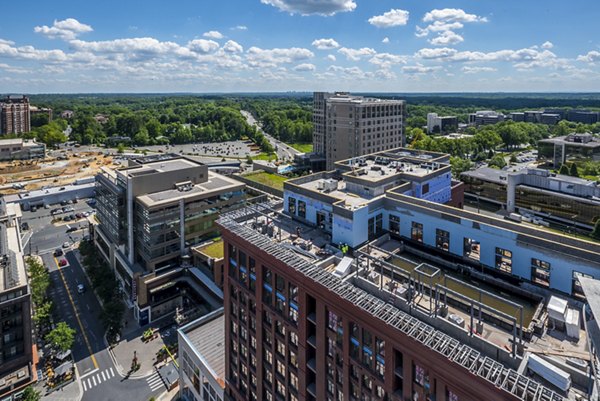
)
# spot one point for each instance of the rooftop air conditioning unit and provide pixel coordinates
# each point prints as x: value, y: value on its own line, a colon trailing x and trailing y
x: 320, y: 184
x: 330, y: 184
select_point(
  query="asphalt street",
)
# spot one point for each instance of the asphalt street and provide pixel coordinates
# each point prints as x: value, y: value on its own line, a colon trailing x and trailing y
x: 43, y: 236
x: 98, y: 376
x: 284, y: 151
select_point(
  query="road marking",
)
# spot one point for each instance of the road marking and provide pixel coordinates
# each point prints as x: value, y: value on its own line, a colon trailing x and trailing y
x: 94, y: 380
x: 112, y: 373
x: 87, y: 343
x: 89, y: 373
x: 103, y: 378
x: 155, y: 381
x: 84, y: 387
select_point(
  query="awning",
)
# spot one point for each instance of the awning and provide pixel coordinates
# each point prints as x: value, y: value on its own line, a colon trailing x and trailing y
x: 169, y: 374
x: 64, y: 368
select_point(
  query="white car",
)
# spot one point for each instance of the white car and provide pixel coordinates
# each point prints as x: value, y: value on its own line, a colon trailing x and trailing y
x: 66, y: 244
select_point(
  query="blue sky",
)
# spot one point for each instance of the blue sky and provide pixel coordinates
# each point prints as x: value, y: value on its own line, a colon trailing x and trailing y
x: 300, y: 45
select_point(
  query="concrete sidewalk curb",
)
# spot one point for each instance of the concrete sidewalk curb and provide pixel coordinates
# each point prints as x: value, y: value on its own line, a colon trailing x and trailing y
x: 120, y: 369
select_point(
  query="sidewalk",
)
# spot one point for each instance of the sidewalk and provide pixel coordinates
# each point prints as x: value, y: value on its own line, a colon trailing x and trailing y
x: 131, y: 340
x: 71, y: 392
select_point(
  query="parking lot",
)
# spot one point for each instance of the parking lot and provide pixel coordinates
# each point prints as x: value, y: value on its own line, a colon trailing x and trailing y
x: 45, y: 229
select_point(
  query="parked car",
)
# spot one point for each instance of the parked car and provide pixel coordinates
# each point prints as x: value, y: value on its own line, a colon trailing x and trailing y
x: 58, y: 252
x: 80, y: 288
x: 79, y: 215
x: 62, y: 262
x: 66, y: 244
x: 72, y: 229
x: 25, y: 226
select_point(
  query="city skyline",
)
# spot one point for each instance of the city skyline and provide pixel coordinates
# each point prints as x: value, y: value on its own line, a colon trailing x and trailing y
x: 292, y: 45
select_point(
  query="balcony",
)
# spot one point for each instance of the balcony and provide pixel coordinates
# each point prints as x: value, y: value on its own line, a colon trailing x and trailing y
x: 312, y: 389
x: 312, y: 340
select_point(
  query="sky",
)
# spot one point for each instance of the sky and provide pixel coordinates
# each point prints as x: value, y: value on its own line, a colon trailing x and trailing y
x: 205, y: 46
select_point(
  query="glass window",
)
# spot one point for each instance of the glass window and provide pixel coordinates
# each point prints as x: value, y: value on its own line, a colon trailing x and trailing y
x: 416, y: 233
x: 442, y: 239
x: 418, y: 374
x: 540, y: 272
x: 394, y: 224
x: 302, y: 209
x: 292, y: 205
x: 504, y: 260
x: 472, y: 249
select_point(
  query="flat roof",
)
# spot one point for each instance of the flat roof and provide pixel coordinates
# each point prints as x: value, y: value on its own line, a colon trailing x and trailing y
x: 215, y: 183
x: 12, y: 266
x: 41, y: 193
x: 208, y: 339
x: 501, y: 176
x: 242, y: 223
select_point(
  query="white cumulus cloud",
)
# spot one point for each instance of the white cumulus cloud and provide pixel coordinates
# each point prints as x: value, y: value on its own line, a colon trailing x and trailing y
x: 232, y: 47
x: 446, y: 38
x: 590, y: 57
x: 258, y: 57
x: 386, y: 60
x: 312, y: 7
x: 419, y: 69
x: 443, y: 23
x: 357, y: 54
x: 213, y: 35
x: 547, y: 45
x: 331, y: 57
x: 240, y: 28
x: 385, y: 40
x: 394, y: 17
x: 203, y: 46
x: 325, y: 44
x: 67, y: 29
x: 451, y: 15
x: 475, y: 70
x: 305, y: 67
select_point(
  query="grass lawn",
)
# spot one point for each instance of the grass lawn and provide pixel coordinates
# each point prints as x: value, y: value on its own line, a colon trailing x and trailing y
x: 214, y: 250
x: 302, y: 147
x: 265, y: 156
x: 268, y: 179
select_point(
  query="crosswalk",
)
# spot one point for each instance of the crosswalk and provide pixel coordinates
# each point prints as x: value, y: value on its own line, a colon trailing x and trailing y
x: 92, y: 381
x: 154, y: 381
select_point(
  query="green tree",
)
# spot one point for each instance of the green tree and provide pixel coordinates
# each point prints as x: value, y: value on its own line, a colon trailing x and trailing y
x: 31, y: 394
x: 573, y: 170
x: 39, y: 280
x: 459, y: 165
x: 513, y: 158
x: 497, y: 161
x: 61, y: 337
x: 43, y: 313
x: 564, y: 170
x: 120, y: 148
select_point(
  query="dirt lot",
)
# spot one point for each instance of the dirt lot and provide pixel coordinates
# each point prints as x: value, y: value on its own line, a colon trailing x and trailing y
x: 36, y: 174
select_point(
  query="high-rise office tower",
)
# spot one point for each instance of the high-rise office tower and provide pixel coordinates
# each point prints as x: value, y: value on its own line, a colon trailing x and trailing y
x: 346, y: 126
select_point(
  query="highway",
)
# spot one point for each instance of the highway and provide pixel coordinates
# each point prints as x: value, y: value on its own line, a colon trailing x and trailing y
x: 284, y: 151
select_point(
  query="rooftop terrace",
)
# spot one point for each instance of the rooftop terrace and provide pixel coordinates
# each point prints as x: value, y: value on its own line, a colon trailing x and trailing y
x: 402, y: 292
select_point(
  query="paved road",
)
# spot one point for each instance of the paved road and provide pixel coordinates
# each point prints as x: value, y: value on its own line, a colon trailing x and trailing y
x: 99, y: 379
x: 43, y: 236
x: 284, y: 151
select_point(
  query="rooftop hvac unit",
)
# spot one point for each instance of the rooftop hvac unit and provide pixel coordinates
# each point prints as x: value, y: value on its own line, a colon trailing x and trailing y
x: 320, y: 184
x: 549, y: 372
x: 330, y: 184
x: 557, y: 312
